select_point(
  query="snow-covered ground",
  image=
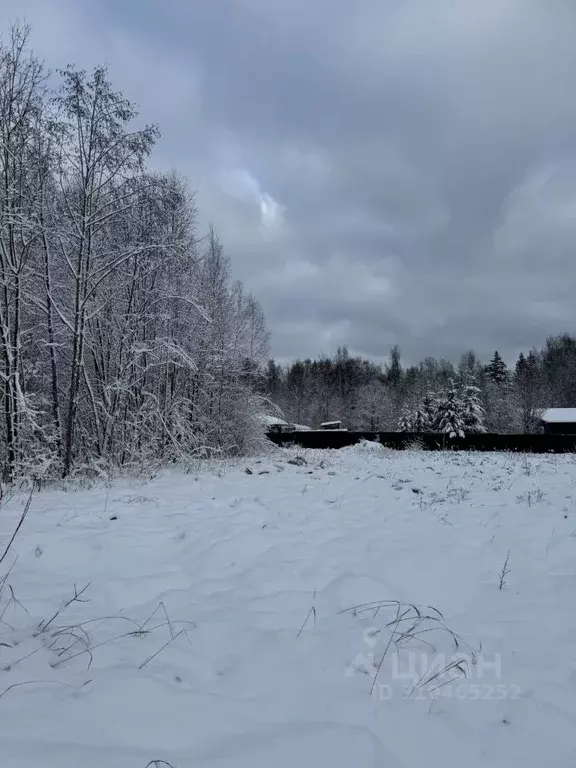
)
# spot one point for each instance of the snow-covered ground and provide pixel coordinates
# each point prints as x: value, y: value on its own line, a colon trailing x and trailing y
x: 216, y: 633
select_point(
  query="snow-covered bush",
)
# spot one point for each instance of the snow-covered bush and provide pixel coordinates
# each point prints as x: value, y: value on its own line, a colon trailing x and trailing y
x: 369, y: 447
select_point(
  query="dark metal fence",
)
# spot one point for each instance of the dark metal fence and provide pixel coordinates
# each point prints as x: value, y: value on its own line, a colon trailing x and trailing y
x: 431, y: 442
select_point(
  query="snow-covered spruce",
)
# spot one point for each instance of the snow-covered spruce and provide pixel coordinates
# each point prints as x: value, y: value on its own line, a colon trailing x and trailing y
x: 406, y: 421
x: 419, y: 420
x: 428, y: 413
x: 450, y: 413
x: 473, y: 413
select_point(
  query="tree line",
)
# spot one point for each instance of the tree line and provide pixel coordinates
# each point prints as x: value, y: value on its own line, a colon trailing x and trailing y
x: 123, y: 337
x: 435, y: 395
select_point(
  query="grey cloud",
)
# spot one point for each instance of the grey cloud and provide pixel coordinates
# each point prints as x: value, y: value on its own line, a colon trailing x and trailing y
x: 381, y: 172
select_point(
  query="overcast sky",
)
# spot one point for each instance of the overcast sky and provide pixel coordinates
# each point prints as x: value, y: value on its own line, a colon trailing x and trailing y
x: 380, y: 171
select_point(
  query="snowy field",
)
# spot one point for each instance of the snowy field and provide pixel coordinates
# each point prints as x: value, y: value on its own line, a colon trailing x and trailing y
x: 220, y: 616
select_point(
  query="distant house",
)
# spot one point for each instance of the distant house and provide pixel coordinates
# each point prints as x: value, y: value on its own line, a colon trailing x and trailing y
x: 331, y: 425
x: 559, y: 421
x: 275, y: 424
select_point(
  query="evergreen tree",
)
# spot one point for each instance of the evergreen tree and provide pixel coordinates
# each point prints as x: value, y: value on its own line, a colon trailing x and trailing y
x: 274, y: 379
x: 394, y: 368
x: 473, y: 412
x: 429, y: 410
x: 496, y: 369
x: 450, y: 413
x: 529, y: 388
x: 420, y: 420
x: 394, y: 378
x: 406, y: 423
x: 501, y: 411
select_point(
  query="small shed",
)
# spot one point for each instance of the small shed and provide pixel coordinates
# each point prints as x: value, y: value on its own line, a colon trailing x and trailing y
x: 559, y: 421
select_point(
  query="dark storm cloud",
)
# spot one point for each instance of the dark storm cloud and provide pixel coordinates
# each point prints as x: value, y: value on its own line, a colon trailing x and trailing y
x: 381, y: 171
